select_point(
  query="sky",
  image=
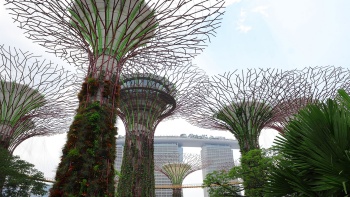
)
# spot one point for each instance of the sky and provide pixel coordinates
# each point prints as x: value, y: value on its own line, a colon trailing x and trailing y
x: 283, y: 34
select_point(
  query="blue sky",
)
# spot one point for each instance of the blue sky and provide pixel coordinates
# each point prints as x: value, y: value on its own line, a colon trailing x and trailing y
x: 282, y: 34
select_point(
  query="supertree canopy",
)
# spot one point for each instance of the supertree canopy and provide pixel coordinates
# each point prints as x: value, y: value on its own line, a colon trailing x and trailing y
x: 107, y: 35
x: 34, y: 98
x: 245, y: 103
x: 176, y: 167
x: 242, y: 103
x: 145, y: 100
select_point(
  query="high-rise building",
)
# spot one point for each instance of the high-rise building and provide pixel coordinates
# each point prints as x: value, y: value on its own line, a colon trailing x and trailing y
x: 220, y: 157
x: 160, y: 178
x: 217, y: 150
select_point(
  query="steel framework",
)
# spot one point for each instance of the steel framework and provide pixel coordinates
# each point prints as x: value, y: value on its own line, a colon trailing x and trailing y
x: 35, y: 97
x: 147, y: 99
x: 177, y: 166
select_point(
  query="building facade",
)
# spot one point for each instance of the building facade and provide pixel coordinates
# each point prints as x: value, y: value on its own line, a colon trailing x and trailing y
x: 220, y: 157
x: 216, y: 150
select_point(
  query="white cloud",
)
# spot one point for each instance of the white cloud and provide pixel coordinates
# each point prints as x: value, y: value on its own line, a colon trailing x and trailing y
x: 262, y: 9
x: 240, y: 24
x: 244, y: 28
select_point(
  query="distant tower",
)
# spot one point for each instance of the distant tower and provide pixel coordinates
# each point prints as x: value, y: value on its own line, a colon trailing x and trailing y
x: 177, y: 167
x: 166, y: 149
x: 221, y: 157
x: 33, y: 98
x: 161, y: 148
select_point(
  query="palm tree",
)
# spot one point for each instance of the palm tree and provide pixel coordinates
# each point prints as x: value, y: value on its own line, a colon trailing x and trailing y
x: 315, y: 152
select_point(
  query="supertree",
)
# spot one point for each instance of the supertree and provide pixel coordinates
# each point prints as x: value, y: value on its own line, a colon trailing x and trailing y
x: 177, y: 166
x: 242, y: 103
x: 146, y: 99
x: 35, y: 97
x: 106, y: 35
x: 245, y: 103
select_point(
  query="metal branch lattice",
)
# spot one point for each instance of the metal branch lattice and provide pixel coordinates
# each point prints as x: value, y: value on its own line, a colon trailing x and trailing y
x: 245, y: 103
x: 80, y: 31
x: 311, y: 84
x: 36, y: 97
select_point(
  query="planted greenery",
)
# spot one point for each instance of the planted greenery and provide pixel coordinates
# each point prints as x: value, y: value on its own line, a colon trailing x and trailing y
x: 245, y: 120
x: 254, y: 171
x: 315, y: 155
x: 86, y: 167
x: 138, y: 167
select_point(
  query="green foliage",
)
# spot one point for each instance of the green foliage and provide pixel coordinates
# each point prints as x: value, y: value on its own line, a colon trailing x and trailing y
x: 314, y: 152
x: 136, y: 177
x: 94, y: 117
x: 87, y: 163
x: 18, y: 177
x: 254, y: 169
x: 73, y: 152
x: 117, y: 173
x: 218, y: 183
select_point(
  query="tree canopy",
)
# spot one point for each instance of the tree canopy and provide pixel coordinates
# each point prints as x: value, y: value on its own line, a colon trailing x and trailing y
x: 18, y: 177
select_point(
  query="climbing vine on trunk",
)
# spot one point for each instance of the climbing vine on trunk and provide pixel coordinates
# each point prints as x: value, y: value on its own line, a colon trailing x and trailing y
x: 87, y: 163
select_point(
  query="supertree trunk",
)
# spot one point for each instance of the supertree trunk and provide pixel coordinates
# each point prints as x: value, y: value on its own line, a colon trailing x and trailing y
x: 87, y: 163
x: 247, y: 143
x: 177, y: 192
x: 138, y: 165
